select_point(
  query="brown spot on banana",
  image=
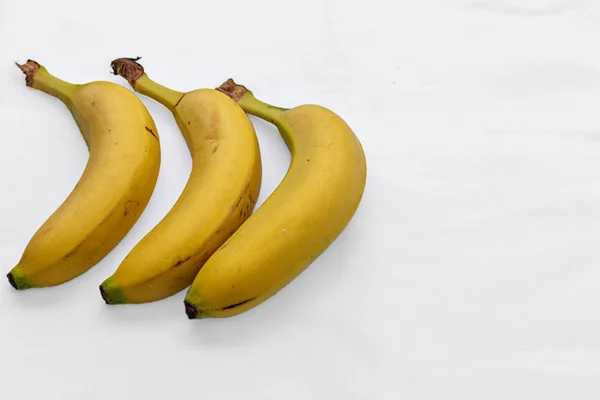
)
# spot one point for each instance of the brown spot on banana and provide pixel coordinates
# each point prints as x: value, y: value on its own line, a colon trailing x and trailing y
x: 128, y: 205
x: 72, y: 252
x: 193, y: 313
x: 178, y: 263
x: 152, y: 132
x: 241, y: 303
x: 244, y: 193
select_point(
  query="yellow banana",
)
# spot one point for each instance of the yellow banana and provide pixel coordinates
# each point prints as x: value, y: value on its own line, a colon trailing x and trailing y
x: 112, y: 192
x: 307, y: 211
x: 219, y: 196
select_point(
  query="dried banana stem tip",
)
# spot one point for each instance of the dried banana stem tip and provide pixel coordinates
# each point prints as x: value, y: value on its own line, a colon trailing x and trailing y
x: 232, y: 89
x: 30, y: 69
x: 128, y: 68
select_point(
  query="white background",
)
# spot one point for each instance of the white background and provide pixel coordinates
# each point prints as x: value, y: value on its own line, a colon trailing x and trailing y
x: 471, y: 269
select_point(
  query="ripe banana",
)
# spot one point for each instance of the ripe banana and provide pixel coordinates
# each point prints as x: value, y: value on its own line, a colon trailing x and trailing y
x: 112, y: 192
x: 219, y: 196
x: 307, y: 211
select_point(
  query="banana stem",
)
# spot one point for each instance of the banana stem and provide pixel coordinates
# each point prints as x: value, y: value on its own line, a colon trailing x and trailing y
x: 254, y: 106
x: 37, y: 77
x: 250, y: 104
x: 167, y: 97
x: 133, y: 71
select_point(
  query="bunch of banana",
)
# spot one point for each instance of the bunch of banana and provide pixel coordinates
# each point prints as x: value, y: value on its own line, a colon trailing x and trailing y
x: 233, y: 258
x: 307, y: 211
x: 112, y: 192
x: 219, y: 196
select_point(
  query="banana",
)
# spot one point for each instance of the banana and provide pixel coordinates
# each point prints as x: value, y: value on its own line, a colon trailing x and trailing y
x: 113, y: 190
x: 219, y: 196
x: 303, y: 216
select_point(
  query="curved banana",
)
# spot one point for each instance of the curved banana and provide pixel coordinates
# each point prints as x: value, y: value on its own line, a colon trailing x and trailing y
x: 219, y: 196
x: 112, y: 192
x: 307, y: 211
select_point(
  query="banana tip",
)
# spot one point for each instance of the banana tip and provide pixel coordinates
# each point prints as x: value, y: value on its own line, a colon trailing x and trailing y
x: 17, y: 280
x: 190, y: 310
x: 103, y: 294
x: 111, y: 293
x: 11, y: 280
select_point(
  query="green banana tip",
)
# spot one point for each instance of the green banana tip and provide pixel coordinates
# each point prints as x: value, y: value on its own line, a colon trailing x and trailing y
x: 111, y: 293
x: 17, y: 281
x: 128, y: 68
